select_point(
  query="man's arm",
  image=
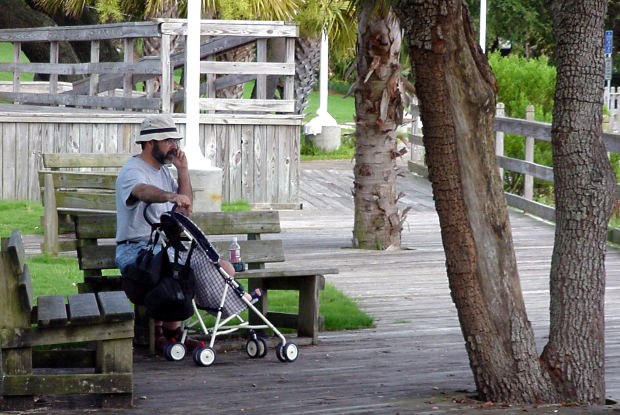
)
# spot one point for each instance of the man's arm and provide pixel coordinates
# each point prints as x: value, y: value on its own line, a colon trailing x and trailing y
x: 185, y: 185
x: 153, y: 194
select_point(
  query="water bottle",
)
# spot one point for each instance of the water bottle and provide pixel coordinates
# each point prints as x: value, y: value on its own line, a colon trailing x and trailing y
x: 234, y: 252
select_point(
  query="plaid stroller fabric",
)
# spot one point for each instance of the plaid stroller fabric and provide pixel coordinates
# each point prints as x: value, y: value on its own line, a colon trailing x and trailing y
x: 210, y: 286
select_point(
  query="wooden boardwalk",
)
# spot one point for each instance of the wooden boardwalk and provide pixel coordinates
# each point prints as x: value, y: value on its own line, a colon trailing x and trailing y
x: 412, y: 362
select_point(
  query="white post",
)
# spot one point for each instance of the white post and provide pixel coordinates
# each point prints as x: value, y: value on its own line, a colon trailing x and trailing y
x: 324, y: 129
x: 192, y: 82
x: 500, y: 111
x: 528, y: 185
x: 323, y: 77
x: 483, y: 24
x: 206, y: 179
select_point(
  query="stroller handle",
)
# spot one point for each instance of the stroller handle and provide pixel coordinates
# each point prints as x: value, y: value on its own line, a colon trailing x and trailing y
x: 174, y: 208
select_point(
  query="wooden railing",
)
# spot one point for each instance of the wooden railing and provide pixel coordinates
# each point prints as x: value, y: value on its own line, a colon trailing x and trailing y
x: 147, y: 84
x: 531, y: 131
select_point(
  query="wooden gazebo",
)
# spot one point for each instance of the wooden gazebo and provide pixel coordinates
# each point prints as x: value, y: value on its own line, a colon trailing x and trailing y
x: 255, y: 141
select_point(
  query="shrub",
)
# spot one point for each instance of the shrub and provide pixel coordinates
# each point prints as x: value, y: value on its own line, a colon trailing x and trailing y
x: 522, y: 82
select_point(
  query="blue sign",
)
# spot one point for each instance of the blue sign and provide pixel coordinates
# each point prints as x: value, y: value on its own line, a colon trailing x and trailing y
x: 609, y: 41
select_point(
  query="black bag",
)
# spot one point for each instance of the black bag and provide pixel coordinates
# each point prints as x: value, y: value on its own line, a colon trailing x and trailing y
x: 171, y: 299
x: 142, y: 276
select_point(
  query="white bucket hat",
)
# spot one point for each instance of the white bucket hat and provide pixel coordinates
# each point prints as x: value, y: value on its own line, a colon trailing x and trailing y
x: 158, y: 127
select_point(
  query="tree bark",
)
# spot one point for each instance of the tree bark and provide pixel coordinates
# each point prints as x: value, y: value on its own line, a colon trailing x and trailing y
x: 456, y: 89
x: 307, y: 61
x: 107, y: 50
x: 584, y: 185
x: 21, y: 16
x: 379, y: 110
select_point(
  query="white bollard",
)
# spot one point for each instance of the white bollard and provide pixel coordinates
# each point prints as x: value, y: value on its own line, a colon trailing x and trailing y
x: 207, y: 187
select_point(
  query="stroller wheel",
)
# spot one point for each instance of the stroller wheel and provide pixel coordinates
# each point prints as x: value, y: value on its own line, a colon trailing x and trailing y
x: 287, y: 353
x: 290, y: 352
x: 174, y: 351
x: 253, y: 348
x: 262, y: 343
x: 204, y: 356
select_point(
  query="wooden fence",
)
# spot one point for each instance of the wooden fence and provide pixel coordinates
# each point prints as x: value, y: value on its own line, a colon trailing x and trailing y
x: 254, y: 140
x: 530, y: 131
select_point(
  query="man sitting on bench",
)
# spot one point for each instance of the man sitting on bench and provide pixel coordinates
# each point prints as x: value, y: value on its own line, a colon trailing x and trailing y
x: 144, y: 179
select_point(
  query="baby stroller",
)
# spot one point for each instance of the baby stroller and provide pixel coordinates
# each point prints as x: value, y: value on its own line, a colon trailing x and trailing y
x: 217, y: 293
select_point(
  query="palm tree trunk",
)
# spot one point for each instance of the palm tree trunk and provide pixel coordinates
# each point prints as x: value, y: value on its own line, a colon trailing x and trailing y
x: 307, y: 60
x: 379, y: 111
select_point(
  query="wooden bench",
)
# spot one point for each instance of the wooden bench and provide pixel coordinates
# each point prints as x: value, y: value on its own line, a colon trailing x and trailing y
x: 75, y: 183
x: 78, y: 345
x: 96, y: 253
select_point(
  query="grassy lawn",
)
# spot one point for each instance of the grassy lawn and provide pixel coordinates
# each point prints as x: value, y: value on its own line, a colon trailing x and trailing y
x: 342, y: 109
x: 60, y: 275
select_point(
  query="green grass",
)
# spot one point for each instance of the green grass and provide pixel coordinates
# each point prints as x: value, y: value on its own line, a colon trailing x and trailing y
x: 22, y: 215
x: 346, y: 151
x: 60, y: 275
x: 342, y: 109
x: 6, y: 55
x: 236, y: 206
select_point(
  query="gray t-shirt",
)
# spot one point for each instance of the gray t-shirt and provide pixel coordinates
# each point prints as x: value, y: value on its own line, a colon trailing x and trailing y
x: 130, y: 223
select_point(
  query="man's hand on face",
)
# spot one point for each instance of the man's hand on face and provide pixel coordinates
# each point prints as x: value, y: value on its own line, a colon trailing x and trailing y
x: 179, y: 159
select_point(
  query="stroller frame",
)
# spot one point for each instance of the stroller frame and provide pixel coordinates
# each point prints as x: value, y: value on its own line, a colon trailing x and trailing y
x: 204, y: 355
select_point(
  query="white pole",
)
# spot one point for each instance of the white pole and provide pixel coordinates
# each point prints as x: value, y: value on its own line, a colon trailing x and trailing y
x: 323, y: 78
x: 483, y: 24
x: 323, y: 118
x: 206, y: 179
x: 192, y: 84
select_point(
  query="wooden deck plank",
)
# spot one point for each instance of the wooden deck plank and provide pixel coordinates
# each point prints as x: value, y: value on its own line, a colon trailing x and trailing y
x: 412, y: 362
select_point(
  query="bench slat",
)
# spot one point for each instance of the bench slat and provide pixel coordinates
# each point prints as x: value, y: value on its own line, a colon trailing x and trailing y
x: 80, y: 180
x: 25, y: 290
x: 231, y: 223
x: 211, y: 223
x: 79, y: 383
x: 70, y: 160
x: 96, y: 257
x: 51, y: 311
x: 285, y: 272
x: 16, y: 251
x: 262, y: 251
x: 86, y: 200
x: 95, y: 226
x: 115, y: 306
x: 83, y: 308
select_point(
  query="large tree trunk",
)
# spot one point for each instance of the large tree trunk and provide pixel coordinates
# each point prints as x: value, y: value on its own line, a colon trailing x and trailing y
x: 107, y: 50
x: 379, y: 112
x: 18, y: 15
x: 584, y: 186
x: 456, y: 89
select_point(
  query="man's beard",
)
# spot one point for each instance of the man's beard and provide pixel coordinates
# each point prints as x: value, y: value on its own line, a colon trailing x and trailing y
x: 161, y: 157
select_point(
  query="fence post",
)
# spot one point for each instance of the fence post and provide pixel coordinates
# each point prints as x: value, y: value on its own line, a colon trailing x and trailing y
x: 613, y: 109
x: 499, y: 136
x: 166, y: 74
x: 528, y: 186
x: 54, y: 55
x: 417, y: 151
x: 17, y: 48
x: 128, y: 78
